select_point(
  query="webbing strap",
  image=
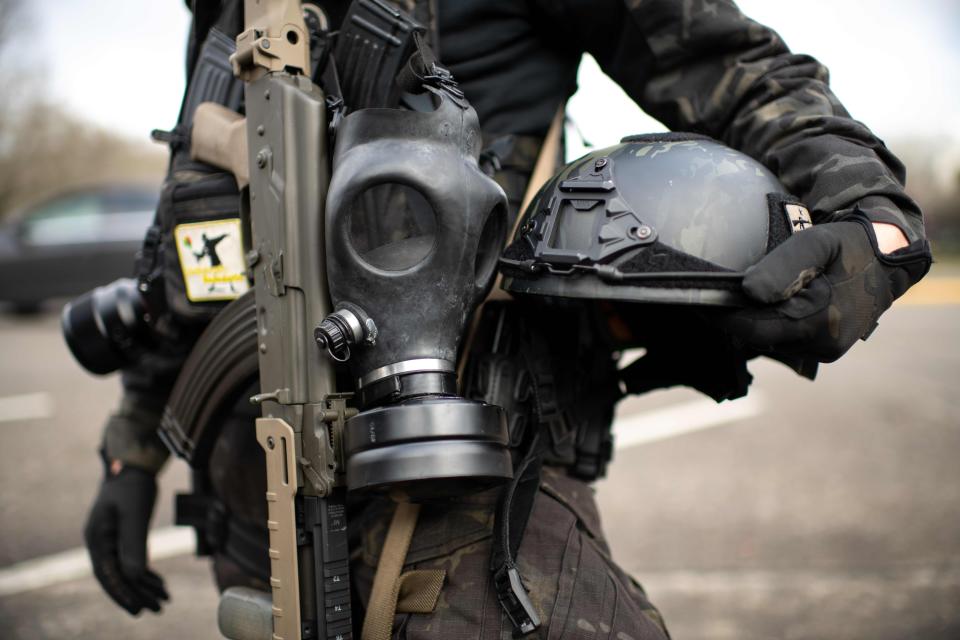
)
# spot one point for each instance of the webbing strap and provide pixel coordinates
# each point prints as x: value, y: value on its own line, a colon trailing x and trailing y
x: 543, y: 170
x: 513, y: 512
x: 378, y: 621
x: 420, y: 590
x: 516, y: 502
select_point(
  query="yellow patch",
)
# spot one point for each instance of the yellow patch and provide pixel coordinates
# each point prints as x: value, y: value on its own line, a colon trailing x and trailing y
x: 211, y: 259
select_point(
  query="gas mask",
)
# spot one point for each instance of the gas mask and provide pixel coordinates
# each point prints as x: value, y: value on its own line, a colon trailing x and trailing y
x: 413, y: 233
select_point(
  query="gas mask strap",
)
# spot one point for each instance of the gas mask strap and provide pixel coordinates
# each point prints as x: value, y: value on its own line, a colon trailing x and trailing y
x: 543, y: 170
x: 424, y: 71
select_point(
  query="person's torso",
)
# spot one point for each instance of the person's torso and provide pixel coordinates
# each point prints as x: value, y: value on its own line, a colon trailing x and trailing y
x: 512, y: 65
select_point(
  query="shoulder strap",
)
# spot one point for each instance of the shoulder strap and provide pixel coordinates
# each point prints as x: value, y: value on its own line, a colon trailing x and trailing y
x: 378, y: 621
x: 510, y: 522
x: 516, y: 502
x: 546, y: 165
x: 425, y: 12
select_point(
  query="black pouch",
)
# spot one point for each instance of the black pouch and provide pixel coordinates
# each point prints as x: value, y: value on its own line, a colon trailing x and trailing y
x: 202, y: 242
x: 192, y: 260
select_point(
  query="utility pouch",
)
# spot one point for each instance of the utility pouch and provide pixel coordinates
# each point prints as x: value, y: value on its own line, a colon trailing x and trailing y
x: 202, y: 242
x: 570, y: 394
x: 213, y: 79
x: 191, y: 260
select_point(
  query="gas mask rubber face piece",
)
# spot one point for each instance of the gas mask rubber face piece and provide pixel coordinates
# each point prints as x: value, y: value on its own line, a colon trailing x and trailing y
x: 414, y: 229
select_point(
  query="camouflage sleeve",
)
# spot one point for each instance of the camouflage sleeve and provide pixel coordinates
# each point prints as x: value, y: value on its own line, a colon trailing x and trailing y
x: 130, y: 434
x: 703, y: 66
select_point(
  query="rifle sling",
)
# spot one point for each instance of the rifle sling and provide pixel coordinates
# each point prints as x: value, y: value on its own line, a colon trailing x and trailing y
x: 378, y: 620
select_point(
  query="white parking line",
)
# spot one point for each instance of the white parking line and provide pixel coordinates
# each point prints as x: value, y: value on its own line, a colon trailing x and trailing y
x: 70, y: 565
x: 679, y: 419
x: 631, y: 431
x: 27, y: 406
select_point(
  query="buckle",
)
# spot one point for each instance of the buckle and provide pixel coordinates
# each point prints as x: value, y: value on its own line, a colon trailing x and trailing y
x: 513, y: 598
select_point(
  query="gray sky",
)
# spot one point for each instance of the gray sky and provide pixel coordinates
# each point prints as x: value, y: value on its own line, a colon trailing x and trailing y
x: 894, y: 64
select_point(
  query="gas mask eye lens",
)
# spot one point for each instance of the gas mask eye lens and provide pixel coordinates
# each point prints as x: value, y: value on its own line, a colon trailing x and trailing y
x: 392, y: 226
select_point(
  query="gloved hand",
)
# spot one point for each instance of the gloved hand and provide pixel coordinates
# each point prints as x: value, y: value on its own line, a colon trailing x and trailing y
x: 822, y: 290
x: 116, y: 538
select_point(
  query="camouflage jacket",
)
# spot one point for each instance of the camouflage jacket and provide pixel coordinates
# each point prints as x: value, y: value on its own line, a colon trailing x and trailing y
x: 696, y: 65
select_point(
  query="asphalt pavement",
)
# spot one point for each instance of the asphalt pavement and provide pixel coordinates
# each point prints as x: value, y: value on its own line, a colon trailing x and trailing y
x: 826, y: 509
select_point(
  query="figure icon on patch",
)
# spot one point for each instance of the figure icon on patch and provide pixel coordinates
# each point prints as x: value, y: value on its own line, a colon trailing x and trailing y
x: 209, y: 249
x: 211, y: 259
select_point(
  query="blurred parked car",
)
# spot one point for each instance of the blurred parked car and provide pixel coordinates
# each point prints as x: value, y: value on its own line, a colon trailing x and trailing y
x: 73, y: 242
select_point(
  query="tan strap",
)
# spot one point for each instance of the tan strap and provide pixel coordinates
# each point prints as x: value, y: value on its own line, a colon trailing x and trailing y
x: 420, y: 590
x: 378, y: 621
x: 543, y: 170
x: 545, y: 167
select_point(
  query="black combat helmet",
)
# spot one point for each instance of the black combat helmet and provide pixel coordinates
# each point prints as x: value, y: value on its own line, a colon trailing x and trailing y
x: 669, y: 218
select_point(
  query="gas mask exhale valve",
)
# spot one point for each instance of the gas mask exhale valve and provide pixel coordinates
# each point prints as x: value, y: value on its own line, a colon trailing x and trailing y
x: 414, y: 229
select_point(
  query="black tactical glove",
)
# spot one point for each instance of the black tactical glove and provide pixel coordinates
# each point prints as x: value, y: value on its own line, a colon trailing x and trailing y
x: 822, y: 290
x: 682, y: 348
x: 116, y: 537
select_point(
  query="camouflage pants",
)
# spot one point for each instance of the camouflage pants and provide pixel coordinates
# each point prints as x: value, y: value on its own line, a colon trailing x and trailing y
x: 576, y: 588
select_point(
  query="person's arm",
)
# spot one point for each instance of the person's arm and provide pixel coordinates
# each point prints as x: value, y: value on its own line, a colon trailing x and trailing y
x: 133, y: 454
x: 705, y: 67
x: 889, y: 237
x: 130, y: 437
x: 131, y: 448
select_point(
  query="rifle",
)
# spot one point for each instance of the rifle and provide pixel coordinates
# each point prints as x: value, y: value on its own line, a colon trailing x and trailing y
x: 279, y: 156
x: 416, y: 436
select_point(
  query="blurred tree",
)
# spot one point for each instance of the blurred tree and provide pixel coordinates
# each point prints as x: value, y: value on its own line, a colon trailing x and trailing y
x: 14, y: 23
x: 933, y: 180
x: 10, y: 11
x: 45, y: 149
